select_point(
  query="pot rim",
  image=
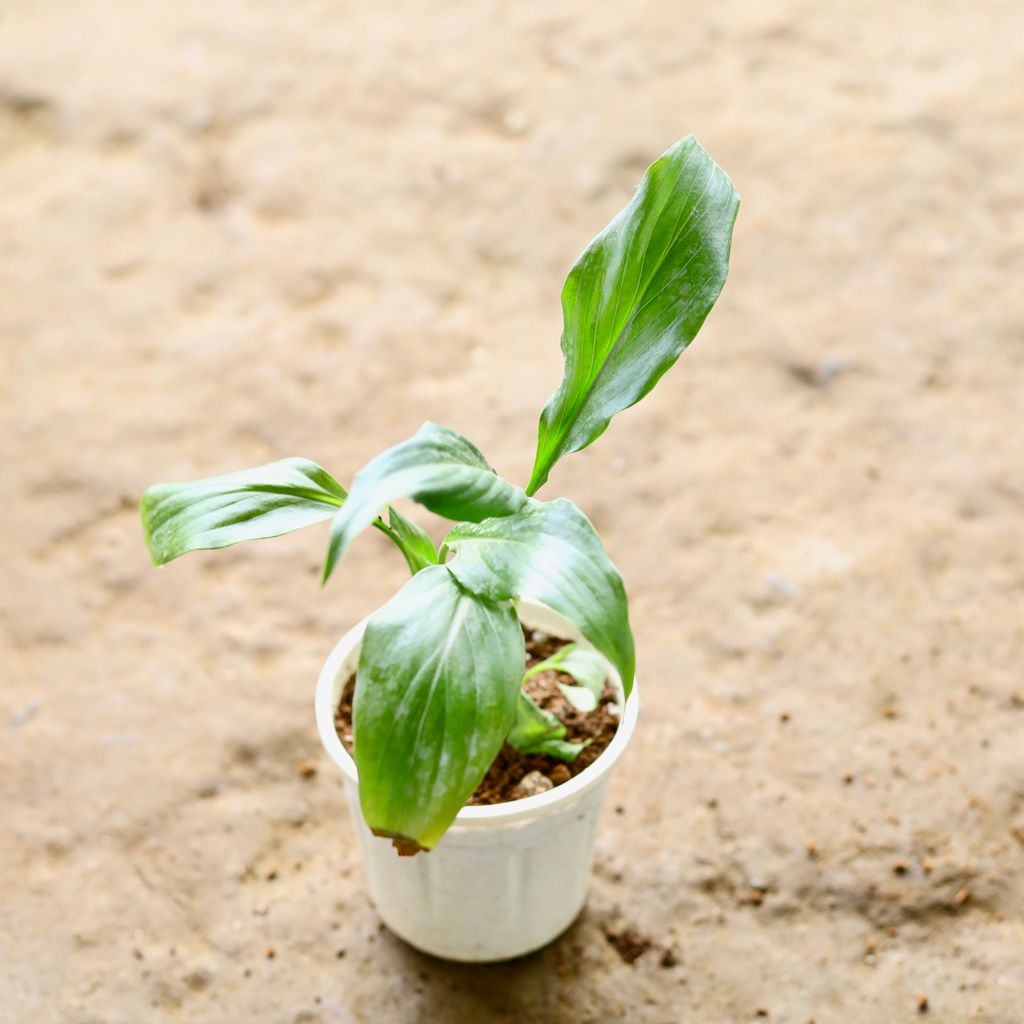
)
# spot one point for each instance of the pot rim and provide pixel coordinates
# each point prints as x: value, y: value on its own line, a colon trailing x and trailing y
x: 488, y: 814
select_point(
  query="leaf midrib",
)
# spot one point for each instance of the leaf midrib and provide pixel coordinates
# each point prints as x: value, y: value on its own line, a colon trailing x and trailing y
x: 569, y: 414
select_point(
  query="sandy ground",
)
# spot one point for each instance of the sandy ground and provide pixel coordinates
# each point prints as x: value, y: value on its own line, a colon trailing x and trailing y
x: 235, y: 231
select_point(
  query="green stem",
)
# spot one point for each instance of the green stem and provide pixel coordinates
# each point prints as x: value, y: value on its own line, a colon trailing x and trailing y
x: 379, y: 524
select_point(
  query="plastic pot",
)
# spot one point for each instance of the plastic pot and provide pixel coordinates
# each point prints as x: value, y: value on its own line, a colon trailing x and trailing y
x: 505, y: 879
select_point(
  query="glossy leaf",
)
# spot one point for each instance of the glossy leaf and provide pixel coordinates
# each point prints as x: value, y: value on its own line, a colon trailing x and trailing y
x: 412, y: 540
x: 218, y: 511
x: 585, y: 666
x: 550, y: 552
x: 637, y: 297
x: 537, y: 731
x: 436, y: 690
x: 440, y: 469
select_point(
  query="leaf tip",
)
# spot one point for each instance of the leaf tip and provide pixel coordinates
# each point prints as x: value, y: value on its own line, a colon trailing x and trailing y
x: 406, y: 846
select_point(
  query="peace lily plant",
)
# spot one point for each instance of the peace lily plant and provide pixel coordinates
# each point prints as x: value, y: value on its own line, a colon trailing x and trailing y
x: 441, y: 665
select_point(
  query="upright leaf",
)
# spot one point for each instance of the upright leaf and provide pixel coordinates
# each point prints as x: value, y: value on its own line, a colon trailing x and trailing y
x: 218, y: 511
x: 412, y: 540
x: 637, y: 297
x: 437, y: 467
x: 550, y: 552
x: 436, y: 691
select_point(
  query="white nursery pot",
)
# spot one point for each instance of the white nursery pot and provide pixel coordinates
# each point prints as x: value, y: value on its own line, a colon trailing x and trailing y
x: 505, y: 879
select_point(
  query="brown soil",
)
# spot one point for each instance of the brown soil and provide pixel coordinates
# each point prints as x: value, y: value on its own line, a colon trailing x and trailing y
x: 503, y: 780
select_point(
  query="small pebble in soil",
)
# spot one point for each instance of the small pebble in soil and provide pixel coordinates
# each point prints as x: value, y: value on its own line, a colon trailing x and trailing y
x: 199, y: 979
x: 531, y: 784
x: 19, y: 718
x: 669, y: 957
x: 629, y: 943
x: 559, y: 774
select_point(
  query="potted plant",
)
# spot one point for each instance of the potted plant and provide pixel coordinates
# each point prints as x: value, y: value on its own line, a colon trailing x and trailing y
x: 419, y: 703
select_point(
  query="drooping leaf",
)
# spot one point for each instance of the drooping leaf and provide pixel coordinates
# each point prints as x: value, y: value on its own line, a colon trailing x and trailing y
x: 585, y: 666
x: 537, y: 731
x: 440, y: 469
x: 637, y: 297
x: 413, y: 541
x: 218, y: 511
x: 436, y: 690
x: 550, y: 552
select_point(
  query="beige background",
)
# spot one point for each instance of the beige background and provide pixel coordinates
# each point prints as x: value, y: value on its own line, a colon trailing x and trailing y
x: 235, y: 231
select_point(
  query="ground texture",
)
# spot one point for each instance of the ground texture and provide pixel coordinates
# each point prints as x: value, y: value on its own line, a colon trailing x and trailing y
x: 237, y: 231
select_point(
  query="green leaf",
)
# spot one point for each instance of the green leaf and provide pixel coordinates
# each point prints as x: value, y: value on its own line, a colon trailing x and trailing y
x: 637, y: 297
x: 585, y: 666
x: 436, y: 690
x: 437, y: 467
x: 412, y: 540
x: 549, y: 552
x: 537, y: 731
x: 218, y: 511
x: 579, y: 697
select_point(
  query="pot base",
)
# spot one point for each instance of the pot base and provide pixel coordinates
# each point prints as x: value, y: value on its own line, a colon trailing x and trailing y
x: 489, y: 959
